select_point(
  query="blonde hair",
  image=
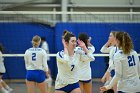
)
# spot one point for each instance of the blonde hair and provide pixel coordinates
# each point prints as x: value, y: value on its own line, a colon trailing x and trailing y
x: 36, y: 41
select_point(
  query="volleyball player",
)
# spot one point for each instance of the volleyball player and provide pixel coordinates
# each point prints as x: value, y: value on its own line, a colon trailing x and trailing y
x: 36, y: 65
x: 127, y: 66
x: 45, y: 46
x: 110, y: 48
x: 84, y: 67
x: 68, y: 64
x: 4, y: 88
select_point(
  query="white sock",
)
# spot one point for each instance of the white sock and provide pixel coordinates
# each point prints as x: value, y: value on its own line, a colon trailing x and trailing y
x: 3, y: 90
x: 8, y: 88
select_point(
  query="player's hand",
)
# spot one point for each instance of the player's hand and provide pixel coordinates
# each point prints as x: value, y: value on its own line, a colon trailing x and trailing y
x: 49, y: 79
x: 109, y: 42
x: 103, y: 89
x: 81, y: 43
x: 103, y: 80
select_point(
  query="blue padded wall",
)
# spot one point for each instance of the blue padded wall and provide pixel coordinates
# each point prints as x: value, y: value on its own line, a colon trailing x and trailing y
x: 16, y: 38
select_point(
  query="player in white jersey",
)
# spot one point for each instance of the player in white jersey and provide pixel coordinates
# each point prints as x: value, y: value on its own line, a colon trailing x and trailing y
x: 36, y: 66
x: 84, y: 67
x: 127, y: 66
x: 68, y: 64
x: 45, y: 46
x: 110, y: 48
x: 4, y: 88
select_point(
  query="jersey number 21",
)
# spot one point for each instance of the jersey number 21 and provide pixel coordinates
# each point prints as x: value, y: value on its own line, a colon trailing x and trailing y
x: 131, y: 61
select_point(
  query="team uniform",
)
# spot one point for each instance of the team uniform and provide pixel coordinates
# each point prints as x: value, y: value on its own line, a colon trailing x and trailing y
x: 84, y: 67
x: 127, y: 69
x: 111, y: 50
x: 2, y: 67
x: 46, y: 48
x: 68, y: 69
x: 36, y: 64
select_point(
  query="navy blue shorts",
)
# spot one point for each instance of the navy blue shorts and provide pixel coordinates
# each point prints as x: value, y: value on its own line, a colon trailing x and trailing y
x: 38, y: 76
x: 112, y: 73
x: 69, y: 87
x: 85, y: 81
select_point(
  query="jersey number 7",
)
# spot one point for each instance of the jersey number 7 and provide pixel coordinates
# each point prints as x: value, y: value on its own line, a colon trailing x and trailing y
x: 72, y: 67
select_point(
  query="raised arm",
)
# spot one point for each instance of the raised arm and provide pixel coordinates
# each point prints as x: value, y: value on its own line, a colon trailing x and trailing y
x: 88, y: 56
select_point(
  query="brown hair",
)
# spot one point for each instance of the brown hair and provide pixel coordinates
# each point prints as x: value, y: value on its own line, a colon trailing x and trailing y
x: 36, y: 40
x: 84, y: 38
x: 125, y: 42
x: 67, y: 35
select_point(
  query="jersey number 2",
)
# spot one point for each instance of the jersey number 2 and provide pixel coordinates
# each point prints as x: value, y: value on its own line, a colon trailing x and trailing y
x: 131, y: 61
x: 33, y: 56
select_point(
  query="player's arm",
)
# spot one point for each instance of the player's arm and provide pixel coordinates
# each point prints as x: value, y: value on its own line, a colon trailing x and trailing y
x: 88, y: 56
x: 105, y: 77
x: 88, y: 42
x: 25, y: 59
x: 139, y: 68
x: 63, y: 57
x: 138, y: 62
x: 111, y: 66
x: 117, y: 76
x: 107, y: 47
x: 45, y: 65
x: 118, y: 72
x: 92, y: 49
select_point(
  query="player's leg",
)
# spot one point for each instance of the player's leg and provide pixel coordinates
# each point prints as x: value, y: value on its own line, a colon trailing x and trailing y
x: 115, y: 88
x: 87, y: 87
x: 58, y: 91
x: 2, y: 89
x: 42, y: 87
x: 74, y: 88
x: 77, y: 90
x: 81, y: 87
x: 41, y: 83
x: 30, y: 86
x: 6, y: 86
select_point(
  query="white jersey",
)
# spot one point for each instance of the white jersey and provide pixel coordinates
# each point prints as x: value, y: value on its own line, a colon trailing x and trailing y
x: 126, y: 72
x: 105, y: 49
x: 68, y: 68
x: 35, y: 59
x: 46, y: 48
x: 2, y: 67
x: 111, y: 50
x: 84, y: 67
